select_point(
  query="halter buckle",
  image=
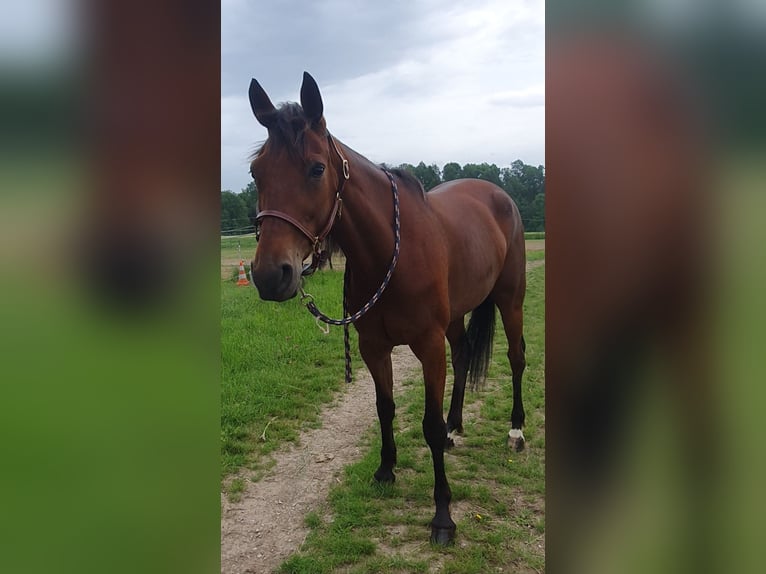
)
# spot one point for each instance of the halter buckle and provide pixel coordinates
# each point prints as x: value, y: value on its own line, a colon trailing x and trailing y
x: 345, y: 169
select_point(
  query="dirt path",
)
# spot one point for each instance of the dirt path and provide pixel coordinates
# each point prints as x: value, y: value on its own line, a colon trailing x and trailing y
x: 267, y: 524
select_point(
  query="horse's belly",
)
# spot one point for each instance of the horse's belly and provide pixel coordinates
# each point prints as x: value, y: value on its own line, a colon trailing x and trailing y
x: 472, y: 279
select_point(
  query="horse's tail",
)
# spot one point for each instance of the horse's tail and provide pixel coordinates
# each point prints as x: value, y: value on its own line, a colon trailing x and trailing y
x: 478, y: 342
x: 330, y: 248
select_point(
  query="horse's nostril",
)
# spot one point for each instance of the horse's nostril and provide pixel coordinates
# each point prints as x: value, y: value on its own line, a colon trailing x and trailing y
x: 287, y: 274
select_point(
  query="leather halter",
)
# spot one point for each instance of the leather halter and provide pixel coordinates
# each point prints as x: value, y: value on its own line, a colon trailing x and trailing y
x: 335, y: 213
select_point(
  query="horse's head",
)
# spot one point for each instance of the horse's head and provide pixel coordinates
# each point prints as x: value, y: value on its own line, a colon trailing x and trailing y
x: 299, y: 173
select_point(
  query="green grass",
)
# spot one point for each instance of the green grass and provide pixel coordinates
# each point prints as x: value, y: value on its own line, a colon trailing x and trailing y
x: 277, y: 369
x: 536, y: 255
x: 498, y: 495
x: 534, y: 235
x: 235, y: 490
x: 229, y: 247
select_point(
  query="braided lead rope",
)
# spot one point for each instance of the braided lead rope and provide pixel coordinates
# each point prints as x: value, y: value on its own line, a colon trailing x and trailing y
x: 308, y: 300
x: 346, y: 341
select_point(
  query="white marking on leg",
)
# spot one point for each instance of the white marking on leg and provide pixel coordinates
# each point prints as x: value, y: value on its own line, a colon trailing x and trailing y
x: 514, y: 434
x: 452, y: 435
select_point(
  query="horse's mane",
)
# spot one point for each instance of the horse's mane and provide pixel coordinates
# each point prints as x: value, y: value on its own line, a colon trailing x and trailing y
x: 408, y: 178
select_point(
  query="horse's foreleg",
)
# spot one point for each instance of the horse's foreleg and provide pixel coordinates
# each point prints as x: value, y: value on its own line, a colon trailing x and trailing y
x: 430, y: 350
x: 378, y: 361
x: 456, y: 338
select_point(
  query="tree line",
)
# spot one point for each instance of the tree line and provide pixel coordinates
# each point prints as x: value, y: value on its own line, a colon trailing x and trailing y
x: 524, y: 183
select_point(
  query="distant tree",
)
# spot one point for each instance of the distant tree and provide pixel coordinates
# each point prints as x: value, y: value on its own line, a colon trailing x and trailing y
x: 511, y: 183
x: 524, y: 183
x: 249, y: 195
x: 452, y: 171
x: 471, y: 170
x: 485, y: 171
x: 537, y: 214
x: 532, y: 179
x: 531, y: 200
x: 233, y: 212
x: 429, y: 175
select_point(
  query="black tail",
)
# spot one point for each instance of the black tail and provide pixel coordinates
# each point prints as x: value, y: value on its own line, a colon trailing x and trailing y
x: 329, y: 248
x: 478, y: 342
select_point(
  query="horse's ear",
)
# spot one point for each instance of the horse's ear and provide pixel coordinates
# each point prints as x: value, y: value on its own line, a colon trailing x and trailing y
x: 311, y: 99
x: 262, y: 107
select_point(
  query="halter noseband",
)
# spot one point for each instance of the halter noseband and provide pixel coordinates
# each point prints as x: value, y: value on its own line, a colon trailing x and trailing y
x: 335, y: 213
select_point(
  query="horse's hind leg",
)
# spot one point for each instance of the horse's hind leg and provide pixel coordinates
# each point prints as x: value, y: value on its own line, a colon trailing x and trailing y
x: 511, y: 311
x: 378, y: 361
x: 456, y: 338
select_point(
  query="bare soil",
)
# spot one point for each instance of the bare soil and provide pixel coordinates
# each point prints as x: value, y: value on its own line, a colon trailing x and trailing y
x: 266, y: 525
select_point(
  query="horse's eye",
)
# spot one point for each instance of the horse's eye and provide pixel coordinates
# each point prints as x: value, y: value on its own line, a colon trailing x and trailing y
x: 317, y: 170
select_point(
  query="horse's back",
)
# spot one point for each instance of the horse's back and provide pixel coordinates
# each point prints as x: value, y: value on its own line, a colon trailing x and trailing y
x: 484, y: 235
x: 465, y: 205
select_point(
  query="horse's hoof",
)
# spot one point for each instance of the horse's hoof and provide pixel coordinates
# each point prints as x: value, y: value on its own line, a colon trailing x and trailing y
x: 443, y: 536
x: 450, y: 440
x: 384, y: 476
x: 516, y: 440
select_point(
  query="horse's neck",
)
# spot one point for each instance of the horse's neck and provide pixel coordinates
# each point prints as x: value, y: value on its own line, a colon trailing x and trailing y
x: 365, y: 230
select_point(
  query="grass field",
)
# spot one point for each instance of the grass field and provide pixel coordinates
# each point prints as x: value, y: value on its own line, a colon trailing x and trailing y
x: 229, y: 245
x: 278, y: 369
x: 536, y: 255
x: 232, y: 250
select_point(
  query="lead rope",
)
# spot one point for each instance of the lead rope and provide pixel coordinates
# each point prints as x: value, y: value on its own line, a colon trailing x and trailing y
x: 346, y: 341
x: 308, y: 299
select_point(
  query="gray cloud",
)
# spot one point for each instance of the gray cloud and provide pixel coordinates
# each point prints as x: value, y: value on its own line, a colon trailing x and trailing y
x: 333, y: 40
x: 401, y: 81
x: 529, y: 98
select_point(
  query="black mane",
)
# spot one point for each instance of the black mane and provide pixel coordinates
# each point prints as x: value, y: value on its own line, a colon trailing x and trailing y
x: 408, y: 178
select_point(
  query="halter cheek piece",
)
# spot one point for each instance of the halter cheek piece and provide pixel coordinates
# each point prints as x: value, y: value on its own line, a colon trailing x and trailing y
x: 335, y: 213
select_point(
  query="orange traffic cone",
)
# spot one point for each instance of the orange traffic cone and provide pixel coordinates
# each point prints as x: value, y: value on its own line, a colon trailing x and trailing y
x: 242, y: 279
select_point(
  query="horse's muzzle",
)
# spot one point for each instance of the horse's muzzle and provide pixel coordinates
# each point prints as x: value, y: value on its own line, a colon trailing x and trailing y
x: 276, y: 282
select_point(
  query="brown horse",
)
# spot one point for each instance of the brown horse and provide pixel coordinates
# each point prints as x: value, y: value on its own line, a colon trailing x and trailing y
x: 462, y: 250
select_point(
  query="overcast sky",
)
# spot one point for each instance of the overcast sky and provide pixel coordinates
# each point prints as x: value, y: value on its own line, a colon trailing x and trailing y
x: 401, y: 80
